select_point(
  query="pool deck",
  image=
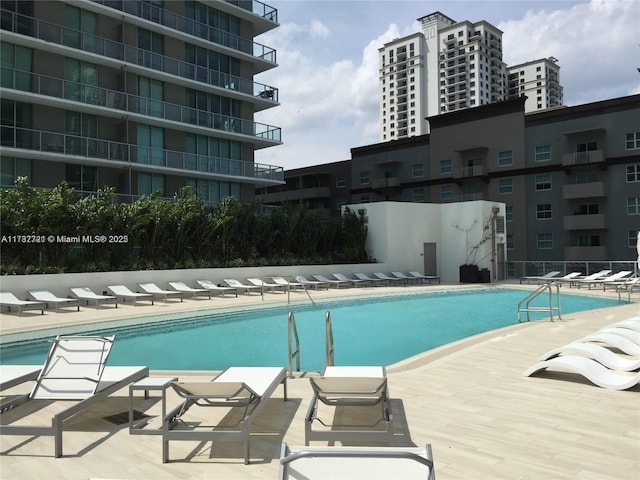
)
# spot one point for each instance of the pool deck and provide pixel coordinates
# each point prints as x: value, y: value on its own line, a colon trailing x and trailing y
x: 468, y: 399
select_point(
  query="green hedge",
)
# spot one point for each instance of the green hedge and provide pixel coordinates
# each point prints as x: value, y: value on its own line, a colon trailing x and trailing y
x: 54, y: 231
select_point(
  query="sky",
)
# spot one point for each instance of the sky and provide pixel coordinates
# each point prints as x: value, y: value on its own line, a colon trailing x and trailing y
x: 327, y: 54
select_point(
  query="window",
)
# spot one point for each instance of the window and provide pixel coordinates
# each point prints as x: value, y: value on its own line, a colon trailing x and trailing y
x: 364, y: 199
x: 149, y: 183
x: 505, y: 186
x: 543, y: 211
x: 544, y: 241
x: 543, y: 182
x: 505, y: 158
x: 632, y: 141
x: 632, y: 239
x: 150, y: 145
x: 446, y: 167
x: 151, y: 96
x: 341, y: 181
x: 12, y: 168
x: 543, y: 153
x: 588, y: 240
x: 417, y: 195
x: 16, y: 65
x: 510, y: 242
x: 587, y: 209
x: 81, y: 81
x: 633, y: 206
x: 586, y: 147
x: 417, y: 170
x: 446, y: 192
x: 150, y: 49
x: 633, y: 173
x: 82, y: 134
x: 587, y: 178
x: 364, y: 178
x: 82, y: 178
x: 508, y: 213
x: 340, y: 203
x: 82, y: 28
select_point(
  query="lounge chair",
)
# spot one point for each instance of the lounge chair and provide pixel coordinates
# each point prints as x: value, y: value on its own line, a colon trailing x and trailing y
x: 246, y: 388
x: 123, y: 292
x: 376, y: 282
x: 88, y: 295
x: 407, y: 278
x: 356, y: 463
x: 267, y: 287
x: 630, y: 334
x: 428, y: 278
x: 632, y: 323
x: 11, y: 375
x: 345, y: 388
x: 9, y: 300
x: 212, y: 287
x: 603, y: 279
x: 291, y: 285
x: 241, y: 287
x: 311, y: 283
x: 627, y: 286
x: 75, y: 372
x: 540, y: 278
x: 592, y: 370
x: 594, y: 276
x: 596, y: 352
x: 49, y: 299
x: 156, y: 291
x: 614, y: 340
x: 388, y: 279
x: 186, y: 289
x: 568, y: 278
x: 352, y: 281
x: 330, y: 282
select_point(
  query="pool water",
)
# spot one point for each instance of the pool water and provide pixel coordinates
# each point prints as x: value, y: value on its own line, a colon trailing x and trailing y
x: 366, y: 331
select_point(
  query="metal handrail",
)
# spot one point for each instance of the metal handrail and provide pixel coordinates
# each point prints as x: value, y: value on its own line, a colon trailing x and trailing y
x: 527, y: 301
x: 329, y: 340
x: 293, y: 334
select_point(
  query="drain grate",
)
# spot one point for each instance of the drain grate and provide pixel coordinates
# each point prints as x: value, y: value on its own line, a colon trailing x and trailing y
x: 122, y: 418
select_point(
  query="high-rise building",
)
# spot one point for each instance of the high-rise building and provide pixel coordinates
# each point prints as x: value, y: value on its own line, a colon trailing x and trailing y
x: 539, y: 81
x: 145, y: 96
x: 448, y: 66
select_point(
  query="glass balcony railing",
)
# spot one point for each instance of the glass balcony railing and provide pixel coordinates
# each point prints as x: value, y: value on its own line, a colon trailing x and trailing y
x: 87, y: 94
x: 258, y: 8
x: 99, y: 149
x: 189, y: 26
x: 58, y: 34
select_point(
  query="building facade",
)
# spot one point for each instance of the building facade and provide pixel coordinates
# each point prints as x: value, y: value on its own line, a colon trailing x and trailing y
x: 144, y: 96
x: 539, y: 81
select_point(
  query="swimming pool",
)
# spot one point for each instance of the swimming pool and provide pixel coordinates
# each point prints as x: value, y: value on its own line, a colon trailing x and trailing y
x: 372, y: 330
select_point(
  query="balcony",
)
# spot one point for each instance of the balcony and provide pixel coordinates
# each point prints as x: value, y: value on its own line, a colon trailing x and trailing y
x: 583, y: 158
x: 53, y: 146
x: 470, y: 197
x: 573, y: 254
x: 389, y: 182
x: 467, y: 172
x: 60, y: 92
x: 596, y: 221
x: 141, y: 60
x: 584, y: 190
x: 298, y: 194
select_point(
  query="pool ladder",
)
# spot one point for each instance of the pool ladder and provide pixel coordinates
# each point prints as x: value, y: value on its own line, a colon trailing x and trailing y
x: 294, y: 353
x: 525, y: 305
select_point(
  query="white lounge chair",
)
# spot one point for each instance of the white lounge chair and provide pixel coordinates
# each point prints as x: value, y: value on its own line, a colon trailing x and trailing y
x: 266, y: 286
x: 212, y: 287
x: 88, y: 295
x: 241, y: 287
x: 632, y: 323
x: 345, y: 387
x: 568, y: 278
x: 75, y: 371
x: 376, y: 282
x: 629, y: 333
x: 186, y: 289
x: 123, y: 292
x: 352, y: 281
x: 592, y: 370
x: 311, y: 283
x: 9, y: 300
x: 49, y: 299
x: 596, y: 352
x: 244, y: 387
x: 291, y: 285
x: 156, y: 291
x: 594, y: 276
x: 603, y: 279
x: 388, y: 279
x: 539, y: 278
x: 356, y: 463
x: 428, y: 278
x: 328, y: 281
x: 614, y: 340
x: 11, y: 375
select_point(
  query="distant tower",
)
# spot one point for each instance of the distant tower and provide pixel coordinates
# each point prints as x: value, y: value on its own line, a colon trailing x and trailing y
x: 539, y: 81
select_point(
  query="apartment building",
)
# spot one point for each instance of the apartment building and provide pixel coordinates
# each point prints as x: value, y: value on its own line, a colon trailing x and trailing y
x: 569, y: 176
x: 539, y: 81
x: 145, y: 96
x: 445, y: 67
